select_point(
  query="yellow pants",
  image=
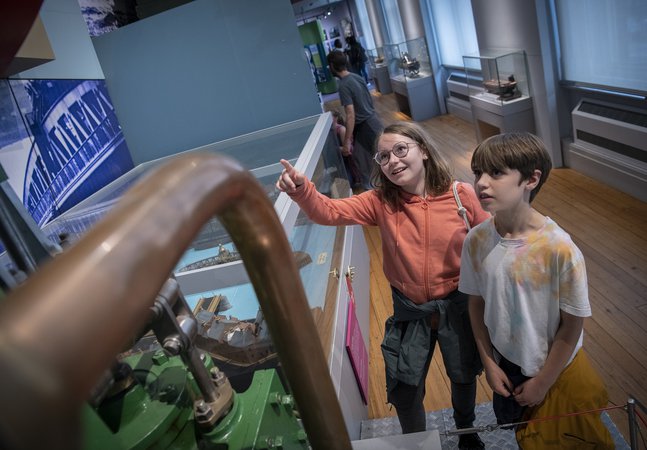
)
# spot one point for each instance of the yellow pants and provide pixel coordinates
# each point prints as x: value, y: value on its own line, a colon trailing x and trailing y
x: 578, y: 388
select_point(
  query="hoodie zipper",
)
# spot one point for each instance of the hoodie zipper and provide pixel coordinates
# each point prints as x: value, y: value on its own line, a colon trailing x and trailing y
x: 425, y: 208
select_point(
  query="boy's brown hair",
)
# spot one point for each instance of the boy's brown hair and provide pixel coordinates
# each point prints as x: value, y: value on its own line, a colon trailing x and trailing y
x: 516, y: 150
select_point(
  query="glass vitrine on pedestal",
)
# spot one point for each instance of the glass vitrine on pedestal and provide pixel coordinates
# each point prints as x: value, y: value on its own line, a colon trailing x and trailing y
x: 378, y: 70
x: 499, y: 92
x: 411, y: 78
x: 214, y: 281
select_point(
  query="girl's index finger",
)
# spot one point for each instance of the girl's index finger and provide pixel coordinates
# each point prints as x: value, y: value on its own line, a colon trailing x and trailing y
x: 287, y: 166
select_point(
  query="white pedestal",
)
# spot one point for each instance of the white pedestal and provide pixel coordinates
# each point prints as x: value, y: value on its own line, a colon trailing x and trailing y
x: 416, y: 97
x: 382, y: 79
x: 493, y: 116
x: 427, y: 440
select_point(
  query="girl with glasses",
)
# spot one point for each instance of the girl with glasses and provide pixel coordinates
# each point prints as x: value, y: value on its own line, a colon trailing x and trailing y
x: 419, y: 217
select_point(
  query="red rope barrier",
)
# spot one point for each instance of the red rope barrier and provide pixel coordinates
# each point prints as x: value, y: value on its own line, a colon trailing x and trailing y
x: 487, y: 428
x: 642, y: 419
x: 560, y: 416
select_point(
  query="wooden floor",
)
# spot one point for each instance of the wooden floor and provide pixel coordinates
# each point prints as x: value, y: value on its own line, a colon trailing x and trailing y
x: 608, y: 226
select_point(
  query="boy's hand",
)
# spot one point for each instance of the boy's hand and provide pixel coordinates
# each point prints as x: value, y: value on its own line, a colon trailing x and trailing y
x: 290, y: 178
x: 498, y: 381
x: 530, y: 393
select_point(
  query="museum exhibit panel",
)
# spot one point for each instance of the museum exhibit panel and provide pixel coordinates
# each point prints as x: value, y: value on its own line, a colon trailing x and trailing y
x: 312, y: 35
x: 332, y: 261
x: 330, y: 35
x: 499, y: 92
x: 411, y: 78
x: 378, y: 70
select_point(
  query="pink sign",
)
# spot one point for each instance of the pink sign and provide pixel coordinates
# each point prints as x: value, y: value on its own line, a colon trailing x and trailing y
x: 355, y: 346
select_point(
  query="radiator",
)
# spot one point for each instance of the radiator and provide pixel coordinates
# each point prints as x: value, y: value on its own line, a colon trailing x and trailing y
x: 610, y: 144
x: 458, y: 101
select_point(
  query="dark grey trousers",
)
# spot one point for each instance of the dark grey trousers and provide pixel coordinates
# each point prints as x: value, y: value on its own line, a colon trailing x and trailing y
x: 365, y: 134
x: 408, y: 402
x: 460, y: 355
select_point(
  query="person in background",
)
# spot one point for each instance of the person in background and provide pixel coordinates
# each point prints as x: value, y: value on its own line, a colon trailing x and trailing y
x: 423, y: 216
x: 337, y: 46
x: 528, y: 299
x: 363, y: 126
x: 339, y: 126
x: 356, y: 57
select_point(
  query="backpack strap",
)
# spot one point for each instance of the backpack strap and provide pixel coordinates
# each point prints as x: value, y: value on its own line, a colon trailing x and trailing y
x: 461, y: 209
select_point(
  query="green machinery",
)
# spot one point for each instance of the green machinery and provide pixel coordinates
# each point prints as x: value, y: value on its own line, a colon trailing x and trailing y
x: 176, y: 398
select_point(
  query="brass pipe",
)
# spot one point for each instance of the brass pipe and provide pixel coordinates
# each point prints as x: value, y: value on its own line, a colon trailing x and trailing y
x: 63, y: 327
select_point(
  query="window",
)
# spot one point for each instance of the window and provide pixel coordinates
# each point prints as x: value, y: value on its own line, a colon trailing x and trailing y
x: 369, y: 43
x: 454, y: 29
x: 603, y: 42
x: 393, y: 21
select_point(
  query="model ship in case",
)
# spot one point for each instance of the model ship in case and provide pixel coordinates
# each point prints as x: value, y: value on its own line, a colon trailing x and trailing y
x: 505, y: 89
x: 410, y: 64
x: 226, y: 256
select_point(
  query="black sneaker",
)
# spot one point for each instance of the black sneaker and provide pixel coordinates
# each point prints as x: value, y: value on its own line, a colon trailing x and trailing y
x: 470, y: 441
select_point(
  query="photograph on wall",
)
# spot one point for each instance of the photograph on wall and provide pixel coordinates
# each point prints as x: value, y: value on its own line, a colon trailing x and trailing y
x: 103, y: 16
x: 60, y: 142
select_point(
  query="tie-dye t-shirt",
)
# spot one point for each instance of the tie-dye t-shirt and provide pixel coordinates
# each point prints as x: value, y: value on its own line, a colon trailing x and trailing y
x: 525, y: 283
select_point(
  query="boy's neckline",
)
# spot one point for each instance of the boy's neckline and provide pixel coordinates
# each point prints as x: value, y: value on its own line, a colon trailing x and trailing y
x: 539, y: 225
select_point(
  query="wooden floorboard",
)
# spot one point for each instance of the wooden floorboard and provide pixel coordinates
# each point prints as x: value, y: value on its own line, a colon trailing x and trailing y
x: 610, y: 228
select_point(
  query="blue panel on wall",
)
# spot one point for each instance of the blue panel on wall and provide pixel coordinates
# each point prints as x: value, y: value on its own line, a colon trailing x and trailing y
x: 64, y: 143
x: 204, y: 72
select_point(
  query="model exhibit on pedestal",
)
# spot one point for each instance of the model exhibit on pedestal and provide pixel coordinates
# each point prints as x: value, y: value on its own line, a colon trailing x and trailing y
x: 499, y: 92
x: 411, y: 78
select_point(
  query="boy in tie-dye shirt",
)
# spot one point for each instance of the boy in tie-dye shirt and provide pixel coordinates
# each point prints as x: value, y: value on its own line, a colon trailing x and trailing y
x: 528, y: 300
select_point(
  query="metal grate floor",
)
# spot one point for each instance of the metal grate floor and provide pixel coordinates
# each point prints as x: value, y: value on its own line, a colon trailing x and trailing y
x: 442, y: 421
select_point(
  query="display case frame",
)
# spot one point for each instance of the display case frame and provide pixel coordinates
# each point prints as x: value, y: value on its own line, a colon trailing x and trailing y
x: 325, y: 255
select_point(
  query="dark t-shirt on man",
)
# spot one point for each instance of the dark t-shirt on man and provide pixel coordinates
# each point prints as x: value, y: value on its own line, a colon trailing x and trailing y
x: 353, y: 91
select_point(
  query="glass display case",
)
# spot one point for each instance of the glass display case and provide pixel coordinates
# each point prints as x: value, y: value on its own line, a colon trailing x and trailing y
x: 213, y: 278
x: 410, y: 75
x: 379, y: 70
x: 497, y: 76
x: 499, y: 92
x: 376, y: 57
x: 408, y: 60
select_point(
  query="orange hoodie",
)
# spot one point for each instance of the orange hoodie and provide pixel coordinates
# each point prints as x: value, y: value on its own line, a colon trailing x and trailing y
x: 421, y: 242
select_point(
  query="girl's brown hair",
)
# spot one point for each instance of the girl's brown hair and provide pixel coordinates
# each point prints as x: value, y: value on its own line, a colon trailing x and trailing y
x: 438, y: 174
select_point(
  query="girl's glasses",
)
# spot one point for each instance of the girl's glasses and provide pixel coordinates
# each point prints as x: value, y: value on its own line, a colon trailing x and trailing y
x: 400, y: 150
